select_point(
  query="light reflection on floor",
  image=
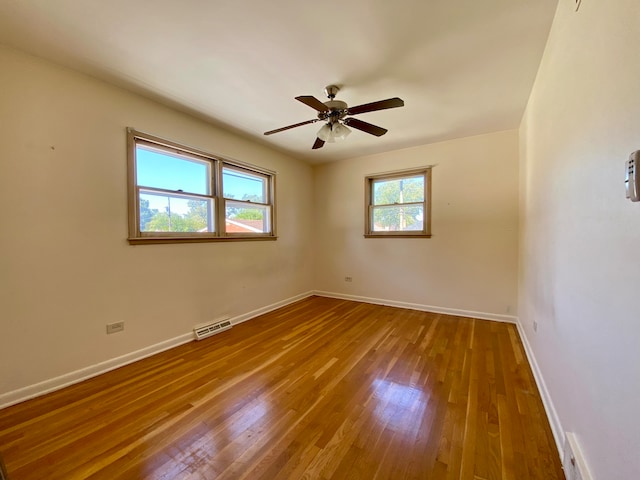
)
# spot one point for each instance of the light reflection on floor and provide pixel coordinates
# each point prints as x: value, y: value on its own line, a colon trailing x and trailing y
x: 249, y: 416
x: 399, y: 407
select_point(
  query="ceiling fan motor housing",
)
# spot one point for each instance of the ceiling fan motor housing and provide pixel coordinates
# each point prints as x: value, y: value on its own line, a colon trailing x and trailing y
x: 337, y: 111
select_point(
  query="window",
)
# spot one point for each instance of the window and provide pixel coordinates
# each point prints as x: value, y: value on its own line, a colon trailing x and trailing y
x: 398, y: 204
x: 178, y: 194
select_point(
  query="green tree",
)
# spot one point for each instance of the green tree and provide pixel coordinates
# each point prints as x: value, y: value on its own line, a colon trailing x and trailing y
x: 395, y: 193
x: 198, y: 213
x: 249, y: 214
x: 243, y: 212
x: 146, y: 214
x: 195, y: 220
x: 165, y: 222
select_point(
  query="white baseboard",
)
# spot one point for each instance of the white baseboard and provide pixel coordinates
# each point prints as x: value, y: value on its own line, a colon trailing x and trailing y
x: 269, y: 308
x: 62, y: 381
x: 552, y: 415
x: 425, y: 308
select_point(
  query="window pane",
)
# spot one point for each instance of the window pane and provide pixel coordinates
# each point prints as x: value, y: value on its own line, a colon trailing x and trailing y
x: 398, y: 190
x: 172, y: 172
x: 398, y: 219
x: 242, y: 218
x: 241, y: 185
x: 160, y: 212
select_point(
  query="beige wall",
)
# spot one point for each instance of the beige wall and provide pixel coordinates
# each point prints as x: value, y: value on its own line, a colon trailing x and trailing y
x: 579, y: 235
x: 470, y: 263
x: 66, y: 268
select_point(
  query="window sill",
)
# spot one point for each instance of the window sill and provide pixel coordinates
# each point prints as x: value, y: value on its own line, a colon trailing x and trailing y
x: 395, y: 235
x: 163, y: 240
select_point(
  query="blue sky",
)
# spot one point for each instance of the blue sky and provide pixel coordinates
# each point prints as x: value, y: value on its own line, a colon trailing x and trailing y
x: 155, y: 169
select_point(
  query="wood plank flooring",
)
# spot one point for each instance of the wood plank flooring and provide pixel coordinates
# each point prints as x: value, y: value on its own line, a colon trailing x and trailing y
x: 320, y: 389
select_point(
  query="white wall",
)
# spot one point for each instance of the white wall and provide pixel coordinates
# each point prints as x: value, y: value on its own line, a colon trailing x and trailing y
x: 470, y: 263
x: 580, y: 237
x: 66, y: 269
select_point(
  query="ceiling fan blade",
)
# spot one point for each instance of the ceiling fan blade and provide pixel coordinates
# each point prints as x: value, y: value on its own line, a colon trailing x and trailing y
x: 313, y: 102
x: 365, y: 127
x: 317, y: 144
x: 380, y: 105
x: 291, y: 126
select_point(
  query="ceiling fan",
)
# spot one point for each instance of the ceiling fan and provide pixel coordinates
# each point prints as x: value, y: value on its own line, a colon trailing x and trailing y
x: 334, y: 112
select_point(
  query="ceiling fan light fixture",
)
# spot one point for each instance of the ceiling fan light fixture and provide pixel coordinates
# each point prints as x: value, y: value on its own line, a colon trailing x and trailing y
x: 340, y: 131
x: 333, y: 132
x: 326, y: 134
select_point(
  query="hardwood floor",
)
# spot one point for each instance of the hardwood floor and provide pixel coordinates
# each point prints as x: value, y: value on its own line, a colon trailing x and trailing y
x: 321, y: 389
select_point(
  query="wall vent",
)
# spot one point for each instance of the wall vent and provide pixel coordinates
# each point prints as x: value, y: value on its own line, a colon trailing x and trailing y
x: 573, y: 463
x: 204, y: 331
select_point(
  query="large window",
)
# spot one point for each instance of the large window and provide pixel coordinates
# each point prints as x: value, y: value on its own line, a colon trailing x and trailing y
x: 398, y: 204
x: 178, y: 194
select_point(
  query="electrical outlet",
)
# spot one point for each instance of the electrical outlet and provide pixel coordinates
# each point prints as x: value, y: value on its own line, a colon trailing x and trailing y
x: 115, y: 327
x: 348, y: 279
x: 535, y: 326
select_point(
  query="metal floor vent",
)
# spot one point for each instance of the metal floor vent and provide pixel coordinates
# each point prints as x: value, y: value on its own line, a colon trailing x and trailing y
x: 204, y: 331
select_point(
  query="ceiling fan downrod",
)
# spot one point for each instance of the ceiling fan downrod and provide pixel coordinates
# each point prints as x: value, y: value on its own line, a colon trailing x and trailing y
x: 331, y: 91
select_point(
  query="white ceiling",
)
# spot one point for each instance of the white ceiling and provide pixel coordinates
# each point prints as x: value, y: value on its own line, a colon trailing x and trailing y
x: 463, y: 67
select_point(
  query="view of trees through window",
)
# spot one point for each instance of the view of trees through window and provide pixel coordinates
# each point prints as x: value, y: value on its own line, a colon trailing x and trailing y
x: 195, y: 219
x: 398, y: 204
x: 189, y: 209
x: 179, y: 194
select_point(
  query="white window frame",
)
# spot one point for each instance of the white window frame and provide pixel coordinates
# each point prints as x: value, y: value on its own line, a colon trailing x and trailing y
x: 425, y: 172
x: 215, y: 195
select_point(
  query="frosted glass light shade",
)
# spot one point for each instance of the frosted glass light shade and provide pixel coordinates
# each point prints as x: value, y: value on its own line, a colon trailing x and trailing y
x: 340, y: 131
x: 325, y: 134
x: 331, y: 132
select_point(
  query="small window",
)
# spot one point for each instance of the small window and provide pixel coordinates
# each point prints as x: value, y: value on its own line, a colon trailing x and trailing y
x: 398, y: 204
x: 177, y: 194
x: 245, y: 201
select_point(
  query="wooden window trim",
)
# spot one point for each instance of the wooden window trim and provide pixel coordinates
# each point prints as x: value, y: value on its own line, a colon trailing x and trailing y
x: 136, y: 237
x: 368, y: 201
